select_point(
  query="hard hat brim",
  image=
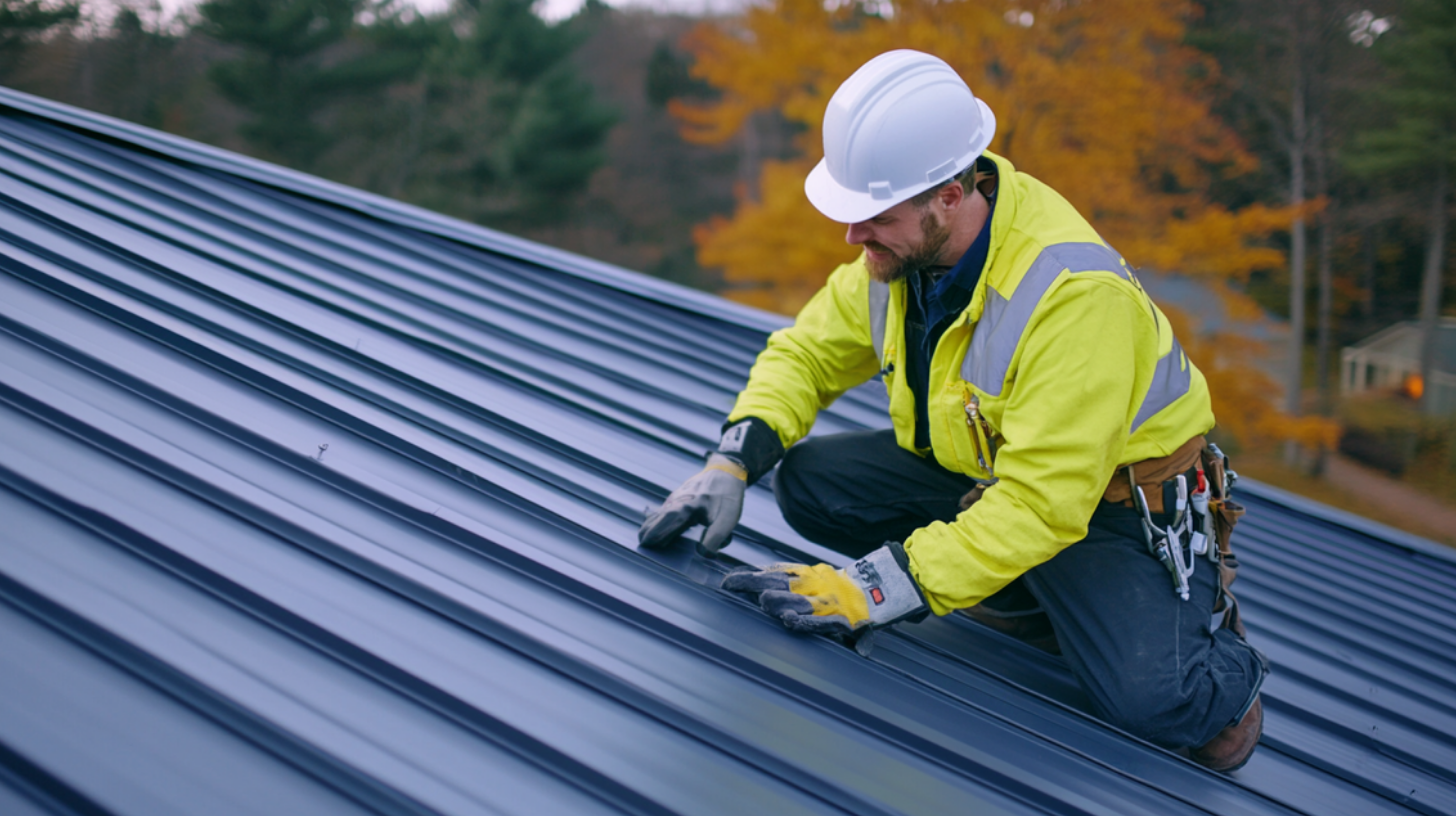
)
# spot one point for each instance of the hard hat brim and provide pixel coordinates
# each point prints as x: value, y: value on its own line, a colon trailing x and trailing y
x: 850, y: 206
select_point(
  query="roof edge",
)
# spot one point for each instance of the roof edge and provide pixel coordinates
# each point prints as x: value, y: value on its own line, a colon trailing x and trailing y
x: 1443, y: 323
x: 1348, y: 520
x: 388, y: 209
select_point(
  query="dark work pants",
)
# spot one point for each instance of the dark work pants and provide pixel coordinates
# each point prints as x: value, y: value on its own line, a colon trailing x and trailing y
x: 1149, y: 660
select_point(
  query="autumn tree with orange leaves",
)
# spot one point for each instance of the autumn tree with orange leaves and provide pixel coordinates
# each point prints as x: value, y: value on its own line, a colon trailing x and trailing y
x: 1099, y: 98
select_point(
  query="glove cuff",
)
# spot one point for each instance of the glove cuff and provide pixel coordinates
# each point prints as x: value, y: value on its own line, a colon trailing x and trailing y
x: 753, y: 444
x: 727, y: 464
x: 892, y: 594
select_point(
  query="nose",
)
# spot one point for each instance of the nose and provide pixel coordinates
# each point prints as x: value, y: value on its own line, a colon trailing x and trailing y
x: 857, y: 233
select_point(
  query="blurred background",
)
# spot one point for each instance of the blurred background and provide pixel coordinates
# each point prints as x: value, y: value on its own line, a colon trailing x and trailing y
x: 1278, y: 172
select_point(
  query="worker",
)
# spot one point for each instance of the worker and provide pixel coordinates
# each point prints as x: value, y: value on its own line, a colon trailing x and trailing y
x: 1047, y: 471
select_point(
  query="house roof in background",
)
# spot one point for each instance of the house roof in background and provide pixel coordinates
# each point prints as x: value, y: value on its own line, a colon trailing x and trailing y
x: 1403, y: 341
x: 318, y: 503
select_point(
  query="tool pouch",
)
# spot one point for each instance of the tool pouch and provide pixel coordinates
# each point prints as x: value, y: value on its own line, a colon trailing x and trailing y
x: 1226, y: 514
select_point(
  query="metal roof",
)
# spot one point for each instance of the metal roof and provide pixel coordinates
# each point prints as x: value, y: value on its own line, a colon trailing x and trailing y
x: 318, y: 503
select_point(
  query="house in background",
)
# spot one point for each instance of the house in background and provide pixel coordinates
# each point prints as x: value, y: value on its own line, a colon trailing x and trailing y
x: 1391, y: 359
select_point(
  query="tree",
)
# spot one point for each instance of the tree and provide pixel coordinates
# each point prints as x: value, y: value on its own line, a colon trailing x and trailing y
x: 476, y: 111
x: 1421, y: 143
x: 134, y: 68
x: 492, y: 123
x: 23, y: 21
x: 1104, y: 101
x: 669, y: 77
x: 1289, y: 66
x: 291, y: 67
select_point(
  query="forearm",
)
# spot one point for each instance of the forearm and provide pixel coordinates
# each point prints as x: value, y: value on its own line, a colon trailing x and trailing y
x: 805, y: 367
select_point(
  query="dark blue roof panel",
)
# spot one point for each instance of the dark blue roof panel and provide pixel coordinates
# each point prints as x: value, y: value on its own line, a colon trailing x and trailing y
x: 317, y: 503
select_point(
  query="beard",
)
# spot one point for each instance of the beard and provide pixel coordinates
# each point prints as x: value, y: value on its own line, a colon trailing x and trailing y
x: 923, y: 255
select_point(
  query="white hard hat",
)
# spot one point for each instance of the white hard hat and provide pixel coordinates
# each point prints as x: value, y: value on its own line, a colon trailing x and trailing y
x: 901, y: 124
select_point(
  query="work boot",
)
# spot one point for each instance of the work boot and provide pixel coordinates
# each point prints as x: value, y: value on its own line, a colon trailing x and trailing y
x: 1032, y: 627
x: 1232, y: 747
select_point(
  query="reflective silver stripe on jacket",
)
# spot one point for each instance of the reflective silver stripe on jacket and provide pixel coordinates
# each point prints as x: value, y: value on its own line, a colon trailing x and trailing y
x: 1171, y: 380
x: 1002, y: 323
x: 999, y: 330
x: 879, y: 310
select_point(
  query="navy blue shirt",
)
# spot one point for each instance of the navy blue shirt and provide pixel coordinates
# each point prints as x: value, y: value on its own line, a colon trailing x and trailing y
x: 932, y: 303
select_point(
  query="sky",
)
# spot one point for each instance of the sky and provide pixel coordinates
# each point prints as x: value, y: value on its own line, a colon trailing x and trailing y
x: 549, y: 9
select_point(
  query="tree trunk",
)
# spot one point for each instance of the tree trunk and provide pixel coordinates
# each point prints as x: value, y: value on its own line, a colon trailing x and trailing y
x: 1367, y: 277
x: 1323, y: 273
x: 1431, y: 288
x: 1322, y: 313
x: 750, y: 159
x: 1298, y: 250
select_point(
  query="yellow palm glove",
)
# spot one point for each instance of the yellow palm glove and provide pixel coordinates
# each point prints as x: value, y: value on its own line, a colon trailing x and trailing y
x: 876, y: 590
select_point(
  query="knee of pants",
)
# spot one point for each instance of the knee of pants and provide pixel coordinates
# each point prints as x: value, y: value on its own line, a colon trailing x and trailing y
x: 1189, y: 705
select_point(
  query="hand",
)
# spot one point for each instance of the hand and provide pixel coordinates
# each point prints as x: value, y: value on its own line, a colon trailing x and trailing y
x: 876, y: 590
x: 714, y: 497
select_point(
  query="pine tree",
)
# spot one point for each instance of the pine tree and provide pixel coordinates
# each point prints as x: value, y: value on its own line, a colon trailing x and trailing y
x: 293, y: 63
x: 498, y: 125
x: 1421, y: 143
x: 135, y: 68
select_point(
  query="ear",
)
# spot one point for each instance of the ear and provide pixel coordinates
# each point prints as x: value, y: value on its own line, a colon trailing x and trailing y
x: 951, y: 196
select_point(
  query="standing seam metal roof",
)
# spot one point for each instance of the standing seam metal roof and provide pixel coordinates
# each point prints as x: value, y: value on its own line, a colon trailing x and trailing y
x: 316, y: 503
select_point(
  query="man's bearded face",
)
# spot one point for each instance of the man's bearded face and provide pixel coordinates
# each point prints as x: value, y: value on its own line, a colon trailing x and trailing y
x: 896, y: 248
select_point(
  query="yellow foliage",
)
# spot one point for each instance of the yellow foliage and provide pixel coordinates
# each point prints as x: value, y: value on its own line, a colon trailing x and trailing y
x: 1099, y: 99
x: 764, y: 265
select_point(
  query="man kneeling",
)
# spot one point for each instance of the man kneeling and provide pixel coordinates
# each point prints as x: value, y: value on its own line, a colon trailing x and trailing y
x: 1046, y: 471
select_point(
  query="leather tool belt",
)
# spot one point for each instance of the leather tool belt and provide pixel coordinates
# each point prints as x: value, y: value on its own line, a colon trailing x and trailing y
x: 1152, y: 473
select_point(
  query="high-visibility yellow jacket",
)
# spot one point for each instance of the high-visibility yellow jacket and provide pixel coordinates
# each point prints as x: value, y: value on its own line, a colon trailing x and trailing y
x: 1073, y: 368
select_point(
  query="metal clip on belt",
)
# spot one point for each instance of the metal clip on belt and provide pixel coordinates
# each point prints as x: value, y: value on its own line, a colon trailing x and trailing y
x: 1165, y: 544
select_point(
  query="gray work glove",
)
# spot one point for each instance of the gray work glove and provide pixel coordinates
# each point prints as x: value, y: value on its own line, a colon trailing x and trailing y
x: 713, y: 497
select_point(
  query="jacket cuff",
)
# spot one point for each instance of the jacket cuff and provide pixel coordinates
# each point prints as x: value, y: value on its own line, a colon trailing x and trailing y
x: 753, y: 444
